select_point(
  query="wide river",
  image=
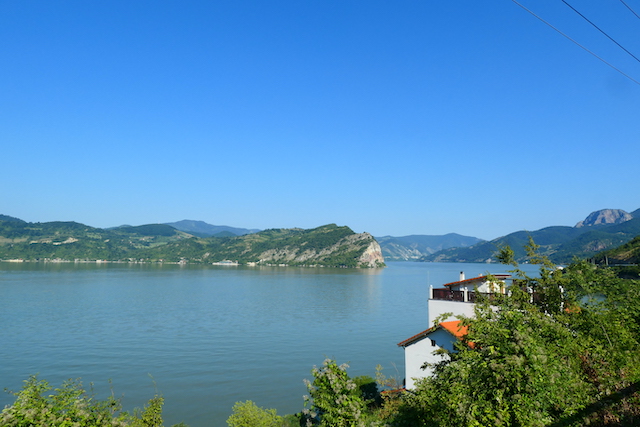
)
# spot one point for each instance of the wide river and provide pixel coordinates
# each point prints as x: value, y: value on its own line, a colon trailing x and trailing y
x: 208, y: 336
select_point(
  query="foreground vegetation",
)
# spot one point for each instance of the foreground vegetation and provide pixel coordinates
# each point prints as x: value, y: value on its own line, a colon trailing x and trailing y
x: 38, y: 404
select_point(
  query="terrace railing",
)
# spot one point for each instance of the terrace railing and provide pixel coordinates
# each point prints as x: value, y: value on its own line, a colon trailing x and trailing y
x: 448, y: 295
x: 444, y: 294
x: 473, y: 296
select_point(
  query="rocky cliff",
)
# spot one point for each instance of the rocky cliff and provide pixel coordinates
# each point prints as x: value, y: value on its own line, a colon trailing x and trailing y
x: 372, y: 255
x: 605, y: 216
x: 346, y: 250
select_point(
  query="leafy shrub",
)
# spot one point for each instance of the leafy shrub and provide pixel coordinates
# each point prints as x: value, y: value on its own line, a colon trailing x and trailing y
x: 368, y: 390
x: 71, y: 406
x: 335, y: 399
x: 248, y: 414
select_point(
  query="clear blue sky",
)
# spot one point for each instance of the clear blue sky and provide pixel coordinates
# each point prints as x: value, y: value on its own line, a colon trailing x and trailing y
x: 395, y: 118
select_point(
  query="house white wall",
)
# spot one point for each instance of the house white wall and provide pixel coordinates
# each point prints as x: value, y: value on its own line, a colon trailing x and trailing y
x: 498, y: 284
x: 436, y: 308
x: 419, y: 352
x: 415, y: 355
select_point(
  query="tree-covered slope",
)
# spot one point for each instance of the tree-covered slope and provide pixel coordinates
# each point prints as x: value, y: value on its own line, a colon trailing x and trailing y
x: 329, y: 245
x: 548, y: 238
x: 561, y: 244
x: 628, y: 253
x: 72, y: 240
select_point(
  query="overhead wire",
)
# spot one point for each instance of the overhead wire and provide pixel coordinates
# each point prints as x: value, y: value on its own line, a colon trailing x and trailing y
x: 578, y: 44
x: 598, y: 28
x: 629, y: 7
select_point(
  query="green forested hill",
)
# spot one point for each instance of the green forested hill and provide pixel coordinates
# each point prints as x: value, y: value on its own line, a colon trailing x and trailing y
x: 329, y: 245
x: 629, y: 253
x: 72, y: 240
x: 559, y: 243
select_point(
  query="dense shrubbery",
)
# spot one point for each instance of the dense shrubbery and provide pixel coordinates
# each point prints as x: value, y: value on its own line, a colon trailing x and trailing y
x: 248, y: 414
x: 568, y: 359
x: 334, y: 398
x: 72, y: 406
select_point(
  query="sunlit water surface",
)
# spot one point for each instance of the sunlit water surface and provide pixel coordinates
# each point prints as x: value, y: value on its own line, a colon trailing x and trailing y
x: 207, y: 337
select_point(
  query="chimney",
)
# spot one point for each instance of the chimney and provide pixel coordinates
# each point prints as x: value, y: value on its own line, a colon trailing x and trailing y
x: 461, y: 276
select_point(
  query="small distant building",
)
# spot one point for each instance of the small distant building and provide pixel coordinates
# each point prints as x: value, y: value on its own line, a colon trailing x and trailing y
x: 457, y: 298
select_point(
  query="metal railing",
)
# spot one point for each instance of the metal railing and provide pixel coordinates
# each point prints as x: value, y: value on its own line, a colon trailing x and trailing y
x: 471, y: 296
x: 448, y: 295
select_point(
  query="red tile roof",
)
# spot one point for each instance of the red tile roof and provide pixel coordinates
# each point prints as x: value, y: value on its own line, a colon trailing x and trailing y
x: 454, y: 327
x: 416, y: 337
x: 476, y: 279
x: 457, y: 329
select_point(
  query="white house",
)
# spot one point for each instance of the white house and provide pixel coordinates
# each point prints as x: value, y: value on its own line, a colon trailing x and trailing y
x: 421, y: 348
x: 457, y: 298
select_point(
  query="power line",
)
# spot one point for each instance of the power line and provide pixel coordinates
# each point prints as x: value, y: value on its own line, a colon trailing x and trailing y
x: 598, y: 28
x: 629, y: 7
x: 578, y: 44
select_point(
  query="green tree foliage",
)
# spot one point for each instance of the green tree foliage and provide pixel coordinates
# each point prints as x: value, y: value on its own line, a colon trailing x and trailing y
x: 566, y: 355
x: 151, y: 415
x: 334, y: 399
x: 248, y: 414
x: 150, y: 230
x: 629, y: 253
x: 72, y: 406
x: 368, y: 390
x: 515, y: 375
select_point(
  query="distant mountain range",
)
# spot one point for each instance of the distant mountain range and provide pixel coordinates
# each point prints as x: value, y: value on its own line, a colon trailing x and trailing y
x: 414, y: 247
x: 601, y: 230
x: 202, y: 229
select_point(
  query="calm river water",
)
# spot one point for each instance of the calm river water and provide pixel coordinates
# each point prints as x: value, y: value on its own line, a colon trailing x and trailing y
x: 208, y: 336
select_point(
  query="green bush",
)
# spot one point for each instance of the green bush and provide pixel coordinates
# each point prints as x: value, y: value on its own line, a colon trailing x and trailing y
x: 72, y: 406
x: 368, y: 390
x: 335, y: 399
x: 248, y: 414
